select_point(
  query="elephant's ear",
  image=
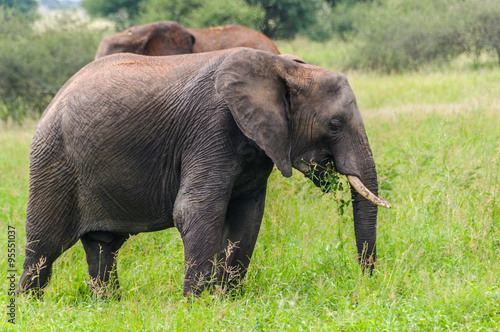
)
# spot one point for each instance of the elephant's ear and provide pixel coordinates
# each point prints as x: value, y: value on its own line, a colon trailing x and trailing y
x: 167, y: 38
x: 193, y: 40
x: 251, y: 84
x: 293, y: 58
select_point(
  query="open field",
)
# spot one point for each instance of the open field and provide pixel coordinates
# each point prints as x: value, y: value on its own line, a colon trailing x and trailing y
x: 436, y: 141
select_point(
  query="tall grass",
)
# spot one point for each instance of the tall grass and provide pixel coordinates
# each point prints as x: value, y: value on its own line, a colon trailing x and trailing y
x: 436, y: 143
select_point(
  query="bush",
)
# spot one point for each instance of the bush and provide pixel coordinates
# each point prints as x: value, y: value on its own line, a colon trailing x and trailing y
x: 13, y: 25
x: 34, y: 65
x: 478, y: 25
x: 395, y: 35
x: 400, y: 35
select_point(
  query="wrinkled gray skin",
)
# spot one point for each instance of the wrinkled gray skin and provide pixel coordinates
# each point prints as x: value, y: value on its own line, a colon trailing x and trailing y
x: 135, y: 144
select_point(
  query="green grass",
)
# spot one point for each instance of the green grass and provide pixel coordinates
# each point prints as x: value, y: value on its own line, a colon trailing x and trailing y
x: 330, y: 54
x: 436, y: 141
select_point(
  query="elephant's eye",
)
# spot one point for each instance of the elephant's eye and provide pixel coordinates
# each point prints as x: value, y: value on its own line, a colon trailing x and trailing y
x: 335, y: 126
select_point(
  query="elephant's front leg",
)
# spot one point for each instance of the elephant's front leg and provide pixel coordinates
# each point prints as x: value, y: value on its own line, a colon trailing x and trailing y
x: 199, y: 216
x: 243, y: 220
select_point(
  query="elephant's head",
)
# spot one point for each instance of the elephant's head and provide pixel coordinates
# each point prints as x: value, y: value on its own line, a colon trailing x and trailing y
x: 303, y: 115
x: 159, y: 38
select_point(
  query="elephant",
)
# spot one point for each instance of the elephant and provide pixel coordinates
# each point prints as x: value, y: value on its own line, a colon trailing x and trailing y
x: 134, y: 144
x: 169, y: 38
x: 230, y: 36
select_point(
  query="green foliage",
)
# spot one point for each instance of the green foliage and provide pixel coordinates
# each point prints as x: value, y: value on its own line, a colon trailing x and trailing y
x: 108, y: 7
x: 201, y: 14
x: 23, y: 6
x: 333, y: 183
x: 316, y: 19
x: 222, y: 12
x: 123, y: 12
x: 285, y: 18
x: 401, y: 35
x: 343, y: 17
x: 322, y: 28
x: 478, y: 25
x: 169, y: 10
x: 396, y: 35
x: 13, y: 25
x: 35, y: 64
x: 326, y: 54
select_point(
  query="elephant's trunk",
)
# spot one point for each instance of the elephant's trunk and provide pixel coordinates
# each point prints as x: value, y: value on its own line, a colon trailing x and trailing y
x: 365, y: 214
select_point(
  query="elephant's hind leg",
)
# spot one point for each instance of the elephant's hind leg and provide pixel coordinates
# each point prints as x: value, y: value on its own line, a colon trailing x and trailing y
x: 51, y: 226
x: 101, y: 249
x: 37, y: 267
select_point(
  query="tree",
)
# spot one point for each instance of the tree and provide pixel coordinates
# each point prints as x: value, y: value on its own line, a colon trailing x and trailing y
x: 24, y: 6
x: 478, y: 25
x: 333, y: 3
x: 285, y: 18
x: 109, y: 7
x: 167, y: 10
x: 202, y: 13
x: 123, y: 12
x: 13, y: 25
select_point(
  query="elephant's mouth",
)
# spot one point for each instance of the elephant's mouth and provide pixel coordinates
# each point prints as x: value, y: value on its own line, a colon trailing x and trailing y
x: 325, y: 177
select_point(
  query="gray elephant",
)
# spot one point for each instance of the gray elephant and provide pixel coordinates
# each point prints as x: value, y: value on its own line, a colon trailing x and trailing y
x: 135, y: 144
x: 169, y: 38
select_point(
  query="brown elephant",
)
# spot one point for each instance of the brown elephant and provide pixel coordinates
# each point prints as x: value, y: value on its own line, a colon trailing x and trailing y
x: 169, y: 38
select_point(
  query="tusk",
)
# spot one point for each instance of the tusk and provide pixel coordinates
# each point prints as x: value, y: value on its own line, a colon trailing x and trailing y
x: 363, y: 191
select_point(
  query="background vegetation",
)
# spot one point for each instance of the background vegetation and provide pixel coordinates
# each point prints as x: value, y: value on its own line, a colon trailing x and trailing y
x: 200, y: 13
x: 384, y: 36
x: 36, y: 61
x: 427, y: 81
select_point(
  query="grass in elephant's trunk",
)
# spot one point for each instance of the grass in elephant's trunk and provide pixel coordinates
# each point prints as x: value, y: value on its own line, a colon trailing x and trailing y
x: 325, y: 177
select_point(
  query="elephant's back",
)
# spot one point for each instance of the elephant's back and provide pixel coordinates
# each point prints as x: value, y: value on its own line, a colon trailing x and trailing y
x: 133, y: 68
x: 129, y: 80
x: 123, y: 93
x: 230, y: 36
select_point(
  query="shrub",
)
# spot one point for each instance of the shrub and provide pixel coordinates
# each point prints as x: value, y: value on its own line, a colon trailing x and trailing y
x: 478, y: 25
x: 395, y: 35
x: 400, y: 35
x: 13, y: 24
x: 34, y: 65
